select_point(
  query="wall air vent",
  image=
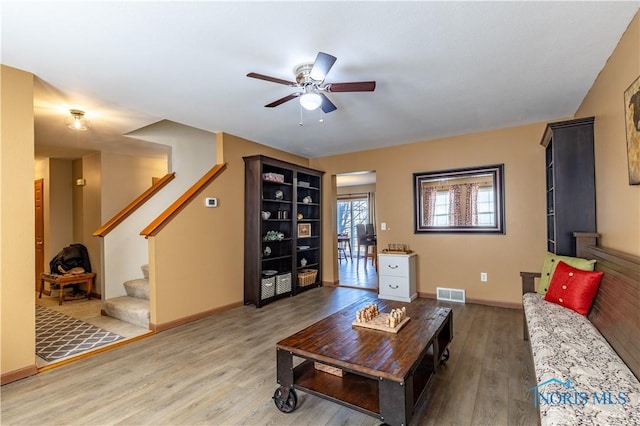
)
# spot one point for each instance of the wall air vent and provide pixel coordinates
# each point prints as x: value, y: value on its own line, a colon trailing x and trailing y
x: 450, y: 294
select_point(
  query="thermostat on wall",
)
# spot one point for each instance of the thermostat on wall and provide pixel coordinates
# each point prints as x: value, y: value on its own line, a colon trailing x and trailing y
x: 211, y: 202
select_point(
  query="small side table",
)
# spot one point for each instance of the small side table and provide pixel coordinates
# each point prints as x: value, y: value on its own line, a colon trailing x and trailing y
x: 63, y: 280
x: 397, y: 277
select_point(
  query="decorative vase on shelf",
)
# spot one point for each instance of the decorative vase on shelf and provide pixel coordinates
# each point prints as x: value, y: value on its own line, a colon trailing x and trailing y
x: 303, y: 262
x: 266, y: 215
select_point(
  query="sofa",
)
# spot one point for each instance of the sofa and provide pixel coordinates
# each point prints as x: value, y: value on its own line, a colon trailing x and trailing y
x: 587, y: 365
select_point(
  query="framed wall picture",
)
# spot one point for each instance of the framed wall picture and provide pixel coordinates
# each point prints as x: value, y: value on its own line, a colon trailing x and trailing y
x: 304, y: 230
x: 632, y: 122
x: 468, y: 200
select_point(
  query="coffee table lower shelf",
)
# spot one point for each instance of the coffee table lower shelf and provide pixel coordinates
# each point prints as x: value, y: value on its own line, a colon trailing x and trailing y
x: 352, y: 390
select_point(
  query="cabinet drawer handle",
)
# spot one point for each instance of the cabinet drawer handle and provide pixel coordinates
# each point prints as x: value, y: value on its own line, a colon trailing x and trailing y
x: 393, y: 267
x: 394, y: 287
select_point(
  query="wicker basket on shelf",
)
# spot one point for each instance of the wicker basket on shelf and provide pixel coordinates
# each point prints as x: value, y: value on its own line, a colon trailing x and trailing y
x: 307, y: 277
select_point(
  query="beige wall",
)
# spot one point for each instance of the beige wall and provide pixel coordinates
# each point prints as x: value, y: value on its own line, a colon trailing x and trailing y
x: 356, y: 189
x: 618, y: 203
x: 17, y: 313
x: 452, y: 260
x: 78, y: 219
x: 196, y: 261
x: 124, y: 178
x: 58, y: 204
x: 91, y: 213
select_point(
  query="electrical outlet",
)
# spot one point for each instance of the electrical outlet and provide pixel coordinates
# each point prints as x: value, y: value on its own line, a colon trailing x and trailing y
x: 483, y: 277
x: 383, y: 226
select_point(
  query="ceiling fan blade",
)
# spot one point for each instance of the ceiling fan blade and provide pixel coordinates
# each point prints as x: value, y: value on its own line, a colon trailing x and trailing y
x: 358, y: 86
x: 282, y: 100
x: 271, y: 79
x: 327, y: 106
x: 321, y: 66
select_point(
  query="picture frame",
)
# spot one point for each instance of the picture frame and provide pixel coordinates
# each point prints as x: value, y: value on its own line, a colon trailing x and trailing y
x: 304, y: 230
x: 632, y: 124
x: 467, y: 200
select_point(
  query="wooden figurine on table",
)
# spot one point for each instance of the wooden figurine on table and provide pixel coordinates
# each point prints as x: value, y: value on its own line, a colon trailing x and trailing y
x: 396, y: 316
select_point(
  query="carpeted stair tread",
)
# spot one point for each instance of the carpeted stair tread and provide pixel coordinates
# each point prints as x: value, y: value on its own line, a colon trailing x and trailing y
x: 129, y: 309
x: 137, y: 288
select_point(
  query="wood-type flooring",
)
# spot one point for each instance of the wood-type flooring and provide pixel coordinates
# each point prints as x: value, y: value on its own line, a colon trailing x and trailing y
x: 221, y: 370
x: 357, y: 274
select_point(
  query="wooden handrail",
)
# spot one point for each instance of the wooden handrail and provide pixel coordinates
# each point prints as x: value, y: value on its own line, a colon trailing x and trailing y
x: 166, y: 216
x: 133, y: 206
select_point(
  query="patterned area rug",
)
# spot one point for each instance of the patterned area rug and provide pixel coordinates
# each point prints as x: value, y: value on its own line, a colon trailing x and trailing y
x: 59, y: 336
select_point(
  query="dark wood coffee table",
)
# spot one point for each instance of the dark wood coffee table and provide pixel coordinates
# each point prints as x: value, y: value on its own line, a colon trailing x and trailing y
x: 384, y: 375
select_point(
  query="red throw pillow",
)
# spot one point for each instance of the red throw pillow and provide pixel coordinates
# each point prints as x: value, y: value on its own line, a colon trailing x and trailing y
x: 573, y: 288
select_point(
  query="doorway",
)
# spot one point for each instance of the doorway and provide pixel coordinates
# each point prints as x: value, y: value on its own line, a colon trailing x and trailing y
x: 355, y: 205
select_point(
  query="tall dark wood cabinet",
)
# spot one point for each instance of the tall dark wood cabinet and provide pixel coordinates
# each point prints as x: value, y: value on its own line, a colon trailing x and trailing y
x: 571, y: 193
x: 283, y: 229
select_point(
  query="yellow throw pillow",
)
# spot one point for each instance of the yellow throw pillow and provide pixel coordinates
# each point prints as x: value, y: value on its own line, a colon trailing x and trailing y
x: 549, y: 266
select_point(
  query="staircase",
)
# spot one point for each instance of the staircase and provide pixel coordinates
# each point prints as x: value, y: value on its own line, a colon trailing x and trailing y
x: 134, y: 307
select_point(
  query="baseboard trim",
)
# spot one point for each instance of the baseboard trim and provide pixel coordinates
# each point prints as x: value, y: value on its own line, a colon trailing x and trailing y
x: 336, y: 284
x: 375, y: 290
x: 18, y: 374
x: 476, y: 301
x: 185, y: 320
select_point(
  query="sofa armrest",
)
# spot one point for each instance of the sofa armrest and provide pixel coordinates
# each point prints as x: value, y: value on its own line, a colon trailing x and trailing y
x: 528, y: 281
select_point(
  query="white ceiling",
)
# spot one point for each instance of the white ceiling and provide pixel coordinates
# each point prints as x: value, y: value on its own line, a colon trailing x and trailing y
x: 442, y: 68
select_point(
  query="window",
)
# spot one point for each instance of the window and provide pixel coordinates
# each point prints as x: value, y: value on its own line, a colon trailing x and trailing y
x: 485, y: 203
x: 441, y: 209
x: 352, y: 210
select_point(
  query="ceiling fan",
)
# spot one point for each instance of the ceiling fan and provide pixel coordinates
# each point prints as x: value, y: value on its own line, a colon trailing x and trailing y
x: 310, y: 82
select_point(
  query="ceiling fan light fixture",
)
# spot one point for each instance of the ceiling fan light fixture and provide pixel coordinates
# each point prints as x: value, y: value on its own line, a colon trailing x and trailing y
x: 310, y: 85
x: 76, y: 121
x: 310, y: 99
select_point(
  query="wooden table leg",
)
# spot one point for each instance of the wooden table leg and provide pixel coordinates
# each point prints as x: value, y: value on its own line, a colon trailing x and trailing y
x: 61, y: 287
x: 89, y: 287
x: 41, y: 288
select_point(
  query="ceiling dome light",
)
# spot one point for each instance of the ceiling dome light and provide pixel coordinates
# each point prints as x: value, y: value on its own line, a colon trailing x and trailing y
x: 77, y: 120
x: 310, y: 100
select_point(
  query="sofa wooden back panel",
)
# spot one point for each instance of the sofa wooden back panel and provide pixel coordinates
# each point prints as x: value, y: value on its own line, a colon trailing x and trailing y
x: 616, y: 308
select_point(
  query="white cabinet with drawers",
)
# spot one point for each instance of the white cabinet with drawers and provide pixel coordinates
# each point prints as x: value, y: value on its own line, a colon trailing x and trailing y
x: 397, y: 277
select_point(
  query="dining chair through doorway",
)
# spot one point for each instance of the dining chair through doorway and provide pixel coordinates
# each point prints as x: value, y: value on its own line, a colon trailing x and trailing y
x: 344, y: 244
x: 367, y: 240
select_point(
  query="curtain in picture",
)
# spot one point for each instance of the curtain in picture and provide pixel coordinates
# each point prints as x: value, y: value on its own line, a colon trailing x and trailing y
x: 371, y: 199
x: 429, y: 205
x: 471, y: 211
x: 455, y: 205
